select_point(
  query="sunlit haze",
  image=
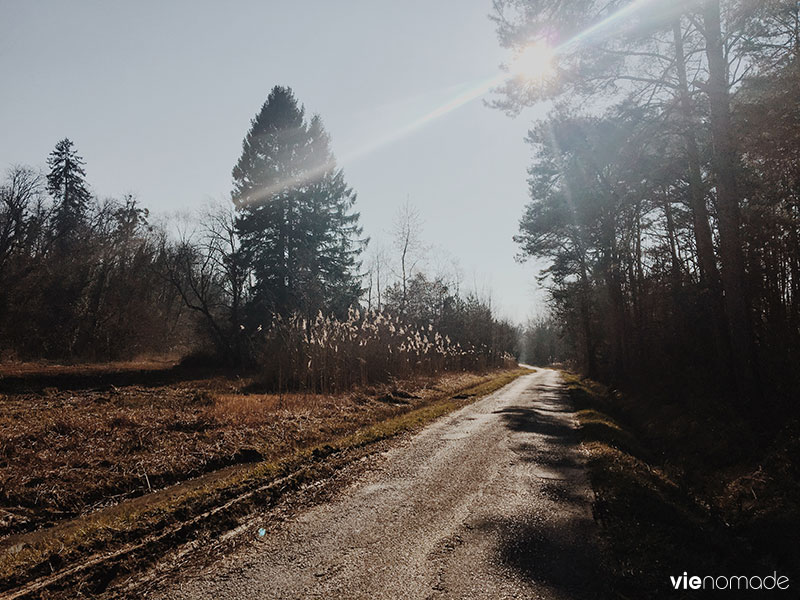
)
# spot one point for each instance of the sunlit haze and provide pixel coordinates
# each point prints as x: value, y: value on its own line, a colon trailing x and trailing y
x: 158, y: 97
x: 534, y: 62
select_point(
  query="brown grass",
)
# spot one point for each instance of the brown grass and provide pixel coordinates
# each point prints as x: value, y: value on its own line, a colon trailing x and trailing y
x: 254, y: 409
x: 663, y: 500
x: 64, y: 453
x: 42, y: 368
x: 289, y: 431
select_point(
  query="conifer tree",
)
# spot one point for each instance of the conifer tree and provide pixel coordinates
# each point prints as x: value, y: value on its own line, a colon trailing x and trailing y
x: 300, y: 237
x: 66, y: 182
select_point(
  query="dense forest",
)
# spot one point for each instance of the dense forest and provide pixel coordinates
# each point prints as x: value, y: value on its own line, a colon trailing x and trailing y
x: 274, y: 280
x: 665, y: 188
x: 665, y: 203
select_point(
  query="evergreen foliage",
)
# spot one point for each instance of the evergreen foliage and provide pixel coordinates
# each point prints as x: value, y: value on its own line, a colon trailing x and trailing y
x: 299, y: 235
x: 66, y: 183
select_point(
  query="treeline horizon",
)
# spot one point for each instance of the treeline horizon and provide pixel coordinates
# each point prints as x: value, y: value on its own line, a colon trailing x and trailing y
x: 259, y: 283
x: 665, y: 193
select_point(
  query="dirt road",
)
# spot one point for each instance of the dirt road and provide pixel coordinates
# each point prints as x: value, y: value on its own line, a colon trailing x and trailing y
x: 490, y: 501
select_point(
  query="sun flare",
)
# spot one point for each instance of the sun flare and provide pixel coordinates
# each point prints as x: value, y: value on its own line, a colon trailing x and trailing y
x: 535, y: 62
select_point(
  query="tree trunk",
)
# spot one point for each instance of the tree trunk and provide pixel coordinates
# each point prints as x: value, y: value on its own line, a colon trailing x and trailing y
x: 724, y: 165
x: 586, y: 324
x: 702, y: 230
x: 675, y: 266
x: 709, y: 273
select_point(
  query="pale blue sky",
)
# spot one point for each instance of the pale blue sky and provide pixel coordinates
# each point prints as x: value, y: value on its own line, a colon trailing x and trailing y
x: 157, y: 97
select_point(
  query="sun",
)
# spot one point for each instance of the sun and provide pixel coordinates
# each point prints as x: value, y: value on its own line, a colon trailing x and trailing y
x: 534, y: 62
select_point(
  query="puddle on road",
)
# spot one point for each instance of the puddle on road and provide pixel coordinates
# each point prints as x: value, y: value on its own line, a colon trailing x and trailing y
x: 560, y: 475
x: 456, y: 436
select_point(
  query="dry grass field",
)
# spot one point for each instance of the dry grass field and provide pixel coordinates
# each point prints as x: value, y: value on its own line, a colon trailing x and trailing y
x: 66, y: 452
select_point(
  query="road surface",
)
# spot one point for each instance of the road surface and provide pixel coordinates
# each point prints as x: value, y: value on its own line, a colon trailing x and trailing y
x: 490, y: 501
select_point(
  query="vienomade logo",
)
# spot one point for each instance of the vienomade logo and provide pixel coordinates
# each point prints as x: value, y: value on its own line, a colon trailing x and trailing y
x: 732, y: 582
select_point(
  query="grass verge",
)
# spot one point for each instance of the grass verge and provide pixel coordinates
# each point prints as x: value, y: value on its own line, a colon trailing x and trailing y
x: 655, y: 526
x: 91, y: 551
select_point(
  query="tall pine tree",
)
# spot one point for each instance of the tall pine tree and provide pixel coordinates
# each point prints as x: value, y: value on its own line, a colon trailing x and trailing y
x: 67, y: 184
x: 300, y: 236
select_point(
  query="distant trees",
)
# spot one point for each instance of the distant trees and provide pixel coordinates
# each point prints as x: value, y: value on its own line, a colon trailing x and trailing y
x: 81, y: 280
x: 66, y: 183
x: 542, y: 342
x: 22, y: 216
x: 207, y: 268
x: 288, y: 246
x: 270, y: 281
x: 268, y: 277
x: 408, y: 246
x: 376, y: 276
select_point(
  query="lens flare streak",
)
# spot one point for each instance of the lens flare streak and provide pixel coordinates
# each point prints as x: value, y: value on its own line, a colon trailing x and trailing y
x: 600, y: 29
x: 446, y: 108
x: 603, y: 27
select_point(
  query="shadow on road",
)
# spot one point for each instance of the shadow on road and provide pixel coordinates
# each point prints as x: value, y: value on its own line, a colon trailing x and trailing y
x: 548, y: 555
x: 552, y: 545
x: 534, y: 420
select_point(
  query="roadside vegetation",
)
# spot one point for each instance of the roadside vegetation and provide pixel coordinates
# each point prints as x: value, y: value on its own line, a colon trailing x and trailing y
x: 679, y: 488
x: 67, y: 452
x: 273, y: 282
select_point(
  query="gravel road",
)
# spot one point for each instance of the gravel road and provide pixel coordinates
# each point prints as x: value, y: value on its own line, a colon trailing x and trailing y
x: 490, y: 501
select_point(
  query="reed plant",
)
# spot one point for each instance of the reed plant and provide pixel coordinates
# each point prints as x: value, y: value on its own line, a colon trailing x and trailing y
x: 325, y: 354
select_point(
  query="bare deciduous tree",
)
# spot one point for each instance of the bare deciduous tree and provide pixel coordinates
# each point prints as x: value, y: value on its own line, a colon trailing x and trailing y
x: 407, y: 240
